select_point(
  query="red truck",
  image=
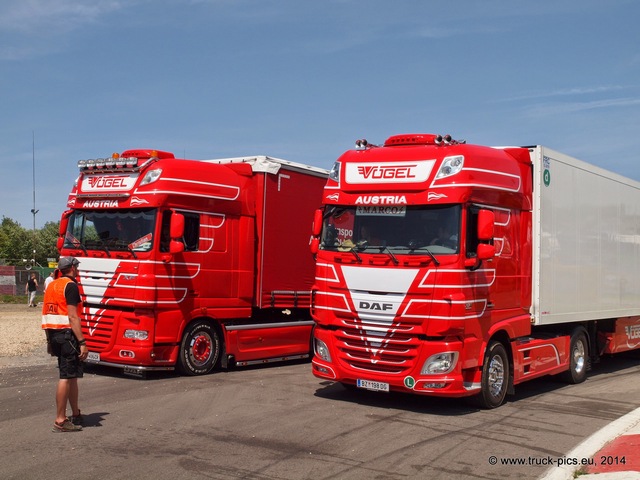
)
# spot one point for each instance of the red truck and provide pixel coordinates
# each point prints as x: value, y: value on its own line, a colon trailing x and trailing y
x: 459, y: 270
x: 192, y: 263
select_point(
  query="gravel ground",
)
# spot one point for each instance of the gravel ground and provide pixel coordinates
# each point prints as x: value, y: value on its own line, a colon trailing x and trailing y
x: 22, y: 340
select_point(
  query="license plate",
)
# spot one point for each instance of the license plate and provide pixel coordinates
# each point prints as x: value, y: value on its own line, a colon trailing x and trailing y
x: 369, y: 385
x: 93, y: 357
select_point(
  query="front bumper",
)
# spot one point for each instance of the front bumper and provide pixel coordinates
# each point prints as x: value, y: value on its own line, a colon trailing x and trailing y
x: 456, y: 383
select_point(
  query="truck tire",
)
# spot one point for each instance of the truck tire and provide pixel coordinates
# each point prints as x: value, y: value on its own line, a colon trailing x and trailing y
x: 578, y: 358
x: 199, y: 349
x: 495, y: 377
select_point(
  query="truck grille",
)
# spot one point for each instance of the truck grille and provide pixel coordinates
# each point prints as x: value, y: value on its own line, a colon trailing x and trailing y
x: 97, y: 327
x: 373, y: 347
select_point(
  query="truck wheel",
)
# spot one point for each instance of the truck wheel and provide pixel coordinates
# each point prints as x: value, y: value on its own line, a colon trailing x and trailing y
x: 578, y: 358
x: 495, y: 377
x: 199, y: 349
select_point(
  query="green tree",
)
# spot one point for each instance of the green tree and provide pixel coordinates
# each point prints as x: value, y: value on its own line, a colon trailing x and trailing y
x: 17, y: 243
x: 46, y: 239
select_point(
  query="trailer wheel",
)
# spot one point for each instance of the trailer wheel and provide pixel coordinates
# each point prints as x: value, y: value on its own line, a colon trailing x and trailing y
x: 578, y: 358
x: 199, y: 349
x: 495, y: 377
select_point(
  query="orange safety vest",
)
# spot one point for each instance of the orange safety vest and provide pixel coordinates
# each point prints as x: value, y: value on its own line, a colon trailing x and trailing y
x: 55, y: 314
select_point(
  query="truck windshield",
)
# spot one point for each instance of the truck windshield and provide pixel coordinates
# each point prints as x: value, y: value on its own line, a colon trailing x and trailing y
x: 130, y: 230
x: 399, y: 229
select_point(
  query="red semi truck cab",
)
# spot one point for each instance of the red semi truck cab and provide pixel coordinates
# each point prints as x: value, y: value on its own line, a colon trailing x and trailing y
x: 192, y: 263
x: 428, y: 268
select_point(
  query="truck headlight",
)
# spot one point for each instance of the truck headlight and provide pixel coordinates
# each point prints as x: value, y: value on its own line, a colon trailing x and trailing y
x: 450, y: 166
x: 321, y: 350
x: 151, y: 176
x: 439, y: 363
x: 334, y: 173
x: 136, y: 334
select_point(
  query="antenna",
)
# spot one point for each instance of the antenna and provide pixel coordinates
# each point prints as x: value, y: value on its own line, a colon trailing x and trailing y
x: 33, y: 210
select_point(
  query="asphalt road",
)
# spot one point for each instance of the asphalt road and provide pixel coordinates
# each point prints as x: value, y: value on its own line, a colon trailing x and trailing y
x: 280, y: 422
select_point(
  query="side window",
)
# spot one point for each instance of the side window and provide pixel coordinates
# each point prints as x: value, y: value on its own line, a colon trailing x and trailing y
x: 191, y: 231
x: 164, y: 231
x: 472, y: 231
x: 472, y: 228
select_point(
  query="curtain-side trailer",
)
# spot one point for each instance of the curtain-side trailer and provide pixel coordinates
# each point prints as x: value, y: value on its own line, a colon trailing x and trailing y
x: 192, y: 264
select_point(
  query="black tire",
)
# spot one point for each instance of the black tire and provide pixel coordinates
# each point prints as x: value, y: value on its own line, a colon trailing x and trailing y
x: 495, y: 377
x: 578, y: 358
x: 199, y: 349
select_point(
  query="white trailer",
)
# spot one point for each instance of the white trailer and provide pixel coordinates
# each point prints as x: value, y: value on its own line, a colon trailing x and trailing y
x: 586, y: 262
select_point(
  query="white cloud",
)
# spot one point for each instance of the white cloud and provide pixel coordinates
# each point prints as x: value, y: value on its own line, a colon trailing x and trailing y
x: 43, y: 16
x: 566, y: 107
x: 29, y: 28
x: 565, y: 92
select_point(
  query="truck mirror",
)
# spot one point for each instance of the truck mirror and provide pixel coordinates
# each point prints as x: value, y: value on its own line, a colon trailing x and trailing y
x: 314, y: 245
x: 176, y: 246
x: 176, y: 229
x: 316, y: 228
x: 486, y: 251
x: 62, y: 230
x: 64, y: 223
x: 486, y: 222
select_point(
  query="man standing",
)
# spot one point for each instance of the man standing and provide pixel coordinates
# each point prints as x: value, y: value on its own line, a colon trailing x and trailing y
x: 31, y: 288
x: 61, y: 321
x: 49, y: 279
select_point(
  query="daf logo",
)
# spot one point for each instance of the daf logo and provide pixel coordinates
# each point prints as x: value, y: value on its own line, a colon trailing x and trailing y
x: 375, y: 306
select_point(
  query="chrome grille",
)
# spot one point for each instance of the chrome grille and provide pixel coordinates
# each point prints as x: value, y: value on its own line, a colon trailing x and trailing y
x: 387, y: 350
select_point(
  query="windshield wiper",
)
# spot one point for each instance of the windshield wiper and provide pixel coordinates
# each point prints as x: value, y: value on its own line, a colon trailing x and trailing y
x: 352, y: 249
x: 105, y: 248
x: 435, y: 260
x: 393, y: 257
x: 413, y: 248
x: 364, y: 244
x: 80, y: 245
x: 132, y: 252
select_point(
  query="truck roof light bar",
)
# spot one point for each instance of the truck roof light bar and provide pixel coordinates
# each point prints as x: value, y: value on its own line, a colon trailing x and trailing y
x: 421, y: 139
x: 128, y: 160
x: 115, y: 162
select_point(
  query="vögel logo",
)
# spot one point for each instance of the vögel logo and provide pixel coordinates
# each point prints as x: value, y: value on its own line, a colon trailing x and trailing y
x: 389, y: 172
x: 400, y: 171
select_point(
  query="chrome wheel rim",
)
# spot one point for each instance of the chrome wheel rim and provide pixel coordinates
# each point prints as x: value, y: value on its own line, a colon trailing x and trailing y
x: 496, y: 375
x: 578, y: 357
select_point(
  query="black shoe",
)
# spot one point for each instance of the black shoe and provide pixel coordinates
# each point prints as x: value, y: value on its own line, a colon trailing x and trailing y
x: 77, y: 419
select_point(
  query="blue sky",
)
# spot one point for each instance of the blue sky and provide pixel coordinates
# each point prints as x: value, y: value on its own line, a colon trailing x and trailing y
x: 302, y: 80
